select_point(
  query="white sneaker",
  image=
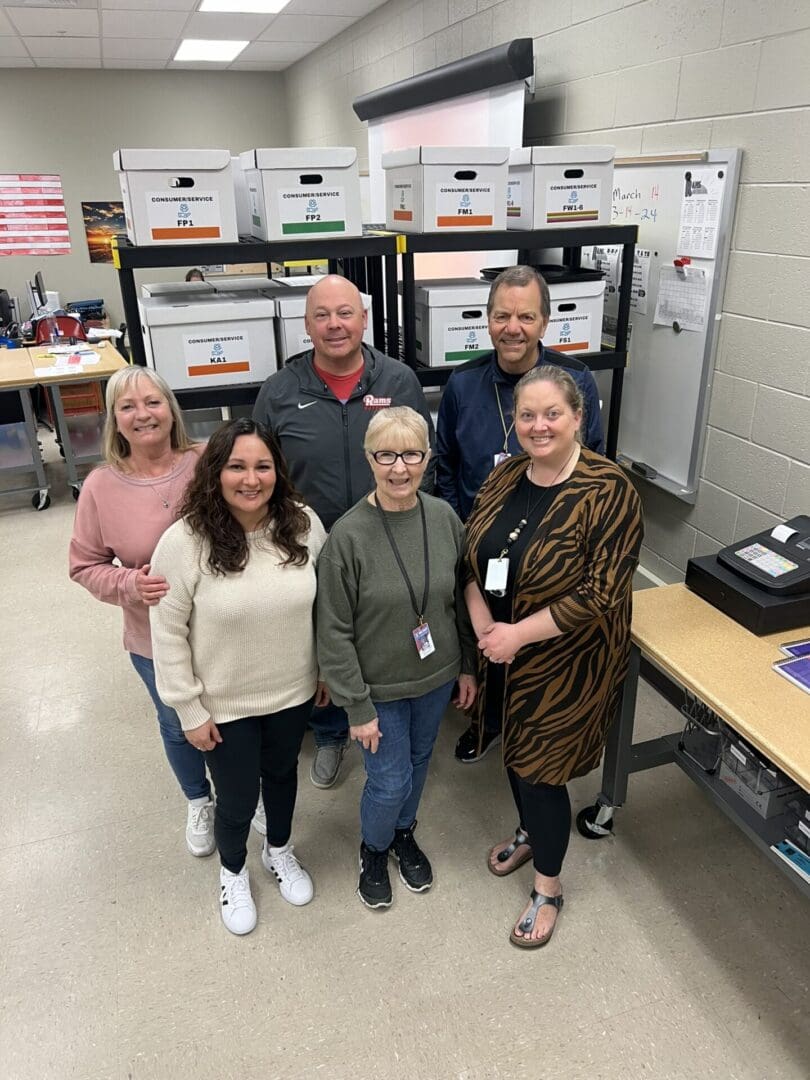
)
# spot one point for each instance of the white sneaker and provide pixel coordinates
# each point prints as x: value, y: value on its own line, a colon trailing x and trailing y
x: 260, y: 819
x: 200, y: 829
x: 236, y: 903
x: 294, y: 882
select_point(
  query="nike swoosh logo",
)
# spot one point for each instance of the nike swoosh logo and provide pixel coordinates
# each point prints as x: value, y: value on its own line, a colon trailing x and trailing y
x: 306, y: 405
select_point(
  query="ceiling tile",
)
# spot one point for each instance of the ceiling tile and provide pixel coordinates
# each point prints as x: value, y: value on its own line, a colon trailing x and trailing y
x: 6, y: 29
x: 354, y: 8
x: 48, y: 22
x: 226, y: 27
x: 304, y: 28
x: 138, y: 48
x: 258, y: 65
x: 149, y: 5
x: 143, y: 24
x: 16, y: 62
x: 64, y: 48
x: 63, y: 62
x: 277, y: 50
x: 116, y: 65
x: 12, y: 46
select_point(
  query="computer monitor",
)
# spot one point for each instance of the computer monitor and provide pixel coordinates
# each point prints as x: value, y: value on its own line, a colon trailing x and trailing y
x: 39, y: 289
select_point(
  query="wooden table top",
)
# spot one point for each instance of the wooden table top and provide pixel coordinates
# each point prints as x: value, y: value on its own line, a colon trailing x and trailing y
x: 728, y: 668
x: 16, y: 369
x: 110, y: 361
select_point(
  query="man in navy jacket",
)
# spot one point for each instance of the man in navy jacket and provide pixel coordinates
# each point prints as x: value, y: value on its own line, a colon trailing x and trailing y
x: 476, y: 428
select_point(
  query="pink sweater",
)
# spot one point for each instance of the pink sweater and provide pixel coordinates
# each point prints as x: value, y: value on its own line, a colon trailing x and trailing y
x: 121, y: 518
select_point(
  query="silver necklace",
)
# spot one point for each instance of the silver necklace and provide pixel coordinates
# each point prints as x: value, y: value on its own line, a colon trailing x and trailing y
x: 521, y: 525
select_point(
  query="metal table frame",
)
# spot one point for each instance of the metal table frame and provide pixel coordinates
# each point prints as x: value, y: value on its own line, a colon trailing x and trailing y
x: 41, y: 499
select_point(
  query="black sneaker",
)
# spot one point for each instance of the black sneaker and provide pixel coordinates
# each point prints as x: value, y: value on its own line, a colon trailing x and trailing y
x: 374, y: 887
x: 414, y: 866
x: 467, y: 746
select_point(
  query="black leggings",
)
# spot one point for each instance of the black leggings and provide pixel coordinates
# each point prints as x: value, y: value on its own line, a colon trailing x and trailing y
x: 544, y: 812
x: 266, y: 746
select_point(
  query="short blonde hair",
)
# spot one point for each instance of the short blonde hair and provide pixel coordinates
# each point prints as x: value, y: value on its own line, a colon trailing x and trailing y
x: 114, y: 446
x: 400, y: 422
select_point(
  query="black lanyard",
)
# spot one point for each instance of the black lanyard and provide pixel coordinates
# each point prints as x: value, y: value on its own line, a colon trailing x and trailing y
x: 420, y: 614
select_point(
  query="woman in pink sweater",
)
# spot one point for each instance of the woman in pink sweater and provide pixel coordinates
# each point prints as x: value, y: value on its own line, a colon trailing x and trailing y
x: 125, y: 507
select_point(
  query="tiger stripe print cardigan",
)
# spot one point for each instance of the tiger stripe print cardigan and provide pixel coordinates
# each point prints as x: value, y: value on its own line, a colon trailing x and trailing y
x: 561, y: 694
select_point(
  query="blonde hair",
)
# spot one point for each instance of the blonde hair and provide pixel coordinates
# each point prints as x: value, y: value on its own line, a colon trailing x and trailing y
x: 564, y: 383
x: 399, y: 422
x: 114, y: 446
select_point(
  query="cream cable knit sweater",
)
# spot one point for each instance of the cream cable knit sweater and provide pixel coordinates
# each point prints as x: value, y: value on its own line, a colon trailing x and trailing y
x: 239, y: 645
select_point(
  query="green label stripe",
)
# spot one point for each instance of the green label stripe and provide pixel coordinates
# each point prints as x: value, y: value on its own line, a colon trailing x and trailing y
x: 419, y: 344
x: 291, y: 227
x: 256, y: 219
x: 467, y: 354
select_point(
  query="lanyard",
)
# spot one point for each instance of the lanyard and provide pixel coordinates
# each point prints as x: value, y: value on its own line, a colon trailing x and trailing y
x: 420, y: 614
x: 506, y: 431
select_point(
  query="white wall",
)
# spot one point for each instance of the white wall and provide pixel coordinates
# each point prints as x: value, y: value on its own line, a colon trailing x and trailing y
x: 652, y: 76
x: 70, y: 122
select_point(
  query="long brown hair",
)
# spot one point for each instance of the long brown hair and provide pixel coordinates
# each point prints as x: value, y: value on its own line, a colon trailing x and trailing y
x: 207, y: 514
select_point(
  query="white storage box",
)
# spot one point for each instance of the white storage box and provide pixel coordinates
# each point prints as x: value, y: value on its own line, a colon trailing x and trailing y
x: 451, y: 321
x: 179, y: 289
x: 575, y: 325
x: 435, y: 189
x: 301, y: 193
x: 551, y: 186
x: 218, y: 340
x: 291, y: 333
x: 177, y: 196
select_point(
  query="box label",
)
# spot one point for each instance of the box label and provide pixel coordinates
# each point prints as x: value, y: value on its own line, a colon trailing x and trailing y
x: 190, y: 216
x: 573, y: 202
x: 513, y: 197
x: 570, y: 333
x: 307, y: 211
x: 216, y: 354
x: 255, y: 206
x: 403, y: 200
x: 465, y: 206
x: 465, y: 340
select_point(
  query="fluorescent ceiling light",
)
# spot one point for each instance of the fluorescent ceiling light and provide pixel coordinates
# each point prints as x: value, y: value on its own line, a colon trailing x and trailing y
x: 213, y: 51
x: 249, y: 7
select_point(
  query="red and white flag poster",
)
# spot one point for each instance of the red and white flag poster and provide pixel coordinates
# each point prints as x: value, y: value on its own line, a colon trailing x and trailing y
x: 33, y: 220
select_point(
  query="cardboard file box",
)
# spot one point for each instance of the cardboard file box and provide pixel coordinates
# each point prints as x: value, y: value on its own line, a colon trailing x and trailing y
x: 436, y: 189
x: 451, y: 321
x: 222, y: 340
x: 575, y: 325
x: 291, y: 333
x: 301, y: 193
x: 559, y: 186
x: 177, y: 196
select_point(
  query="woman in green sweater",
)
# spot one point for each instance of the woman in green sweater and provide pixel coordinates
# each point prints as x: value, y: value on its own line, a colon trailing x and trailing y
x: 394, y: 638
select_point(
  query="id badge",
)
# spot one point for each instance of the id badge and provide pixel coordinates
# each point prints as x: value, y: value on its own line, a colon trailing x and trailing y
x: 500, y: 457
x: 497, y: 574
x: 423, y: 641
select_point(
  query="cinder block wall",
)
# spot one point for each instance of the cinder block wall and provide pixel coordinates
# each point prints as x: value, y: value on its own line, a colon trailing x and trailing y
x: 649, y: 77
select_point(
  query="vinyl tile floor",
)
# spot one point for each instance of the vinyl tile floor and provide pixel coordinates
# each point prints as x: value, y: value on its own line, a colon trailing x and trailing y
x: 681, y: 953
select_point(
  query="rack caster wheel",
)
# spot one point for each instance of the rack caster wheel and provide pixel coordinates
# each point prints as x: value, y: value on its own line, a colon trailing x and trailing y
x: 595, y: 822
x: 76, y: 490
x: 41, y: 500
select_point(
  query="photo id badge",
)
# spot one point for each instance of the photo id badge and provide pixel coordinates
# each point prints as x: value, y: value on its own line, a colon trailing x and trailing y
x: 501, y: 457
x: 423, y: 641
x: 497, y: 574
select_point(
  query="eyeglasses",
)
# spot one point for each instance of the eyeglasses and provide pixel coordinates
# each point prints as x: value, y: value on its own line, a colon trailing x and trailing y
x: 409, y: 457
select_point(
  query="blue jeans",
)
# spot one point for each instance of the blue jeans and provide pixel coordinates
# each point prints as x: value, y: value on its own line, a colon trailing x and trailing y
x: 396, y: 774
x: 187, y: 763
x: 329, y: 725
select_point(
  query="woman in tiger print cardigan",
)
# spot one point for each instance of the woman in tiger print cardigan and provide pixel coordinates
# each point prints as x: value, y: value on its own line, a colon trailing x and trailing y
x: 554, y: 636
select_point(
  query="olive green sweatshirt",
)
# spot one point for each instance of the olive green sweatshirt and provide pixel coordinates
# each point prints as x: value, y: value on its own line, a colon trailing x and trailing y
x: 365, y: 617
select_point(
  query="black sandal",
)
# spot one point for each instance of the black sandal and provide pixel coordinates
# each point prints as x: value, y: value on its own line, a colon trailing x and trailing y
x: 504, y: 856
x: 526, y: 925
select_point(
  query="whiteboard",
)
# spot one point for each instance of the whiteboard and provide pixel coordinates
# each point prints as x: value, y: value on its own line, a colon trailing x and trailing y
x: 683, y: 206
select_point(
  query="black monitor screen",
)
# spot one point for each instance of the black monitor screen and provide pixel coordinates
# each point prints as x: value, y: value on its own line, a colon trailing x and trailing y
x: 40, y: 294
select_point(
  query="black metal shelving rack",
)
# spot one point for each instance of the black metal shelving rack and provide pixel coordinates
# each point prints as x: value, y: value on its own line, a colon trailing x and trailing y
x: 371, y: 262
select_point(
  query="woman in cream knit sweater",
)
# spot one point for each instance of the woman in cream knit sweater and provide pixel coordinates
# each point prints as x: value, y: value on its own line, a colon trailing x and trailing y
x: 234, y: 647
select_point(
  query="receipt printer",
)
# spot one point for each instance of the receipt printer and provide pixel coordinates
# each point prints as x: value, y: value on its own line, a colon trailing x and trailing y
x: 762, y: 582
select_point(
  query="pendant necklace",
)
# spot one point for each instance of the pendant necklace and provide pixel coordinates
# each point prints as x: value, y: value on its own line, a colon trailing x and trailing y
x: 531, y: 504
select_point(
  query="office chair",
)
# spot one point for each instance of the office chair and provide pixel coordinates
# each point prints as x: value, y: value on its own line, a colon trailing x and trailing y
x: 69, y: 327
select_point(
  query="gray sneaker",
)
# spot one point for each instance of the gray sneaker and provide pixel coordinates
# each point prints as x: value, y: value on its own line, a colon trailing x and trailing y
x: 325, y: 766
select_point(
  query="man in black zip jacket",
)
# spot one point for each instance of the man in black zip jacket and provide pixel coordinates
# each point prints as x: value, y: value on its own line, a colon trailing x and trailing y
x: 319, y: 406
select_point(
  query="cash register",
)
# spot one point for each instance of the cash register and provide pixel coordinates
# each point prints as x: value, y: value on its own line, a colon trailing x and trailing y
x: 762, y: 582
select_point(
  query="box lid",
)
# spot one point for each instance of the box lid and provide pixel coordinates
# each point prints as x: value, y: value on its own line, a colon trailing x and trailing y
x: 299, y: 157
x: 445, y: 155
x: 451, y: 292
x: 576, y: 290
x: 196, y: 311
x: 561, y: 155
x: 293, y: 306
x: 193, y: 160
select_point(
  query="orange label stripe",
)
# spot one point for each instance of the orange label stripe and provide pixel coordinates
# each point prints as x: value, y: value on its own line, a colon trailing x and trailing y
x: 201, y: 232
x: 571, y: 346
x: 403, y: 215
x: 452, y: 222
x: 217, y: 369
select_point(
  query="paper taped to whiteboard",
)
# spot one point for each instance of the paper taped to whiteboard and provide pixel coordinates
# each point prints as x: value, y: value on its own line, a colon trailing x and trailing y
x: 682, y: 296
